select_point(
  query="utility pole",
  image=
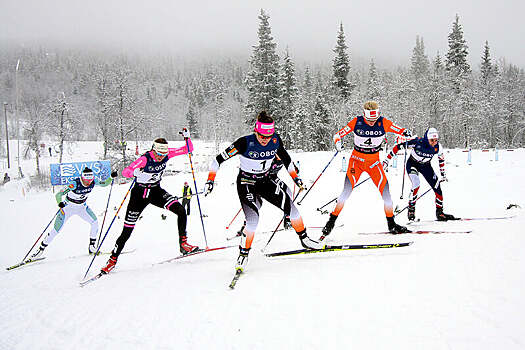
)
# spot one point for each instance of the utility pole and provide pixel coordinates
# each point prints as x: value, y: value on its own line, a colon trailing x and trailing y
x: 7, y: 136
x: 17, y: 120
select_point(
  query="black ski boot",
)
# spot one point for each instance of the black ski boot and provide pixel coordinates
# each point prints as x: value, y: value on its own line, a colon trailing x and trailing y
x: 444, y: 217
x: 307, y: 242
x: 328, y: 227
x: 411, y: 212
x: 92, y: 248
x: 287, y: 223
x: 242, y: 260
x: 395, y: 228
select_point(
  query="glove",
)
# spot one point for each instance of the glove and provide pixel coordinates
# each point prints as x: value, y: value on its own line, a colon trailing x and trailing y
x: 444, y: 177
x: 137, y: 172
x: 299, y: 183
x: 208, y: 188
x: 114, y: 174
x: 407, y: 133
x: 185, y: 133
x: 61, y: 205
x: 339, y: 146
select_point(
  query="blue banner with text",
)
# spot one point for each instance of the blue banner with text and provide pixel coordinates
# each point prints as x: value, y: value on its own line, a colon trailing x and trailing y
x: 64, y: 173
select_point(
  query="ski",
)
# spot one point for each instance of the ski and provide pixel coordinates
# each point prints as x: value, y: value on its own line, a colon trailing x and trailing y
x: 194, y: 253
x: 321, y: 227
x: 102, y: 253
x: 25, y: 262
x: 238, y: 274
x: 332, y: 248
x: 91, y: 279
x: 417, y: 221
x: 418, y: 232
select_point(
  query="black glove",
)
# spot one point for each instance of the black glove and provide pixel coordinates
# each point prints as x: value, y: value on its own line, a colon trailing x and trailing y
x: 299, y: 183
x: 61, y: 205
x: 209, y: 187
x: 407, y: 133
x: 114, y: 174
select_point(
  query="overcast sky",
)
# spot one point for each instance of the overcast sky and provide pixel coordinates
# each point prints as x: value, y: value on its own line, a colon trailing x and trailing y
x: 382, y: 29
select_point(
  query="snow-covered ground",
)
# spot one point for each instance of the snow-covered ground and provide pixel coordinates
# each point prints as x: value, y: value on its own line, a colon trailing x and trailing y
x: 446, y: 291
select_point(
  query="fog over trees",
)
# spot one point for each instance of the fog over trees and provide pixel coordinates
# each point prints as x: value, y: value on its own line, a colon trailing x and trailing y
x: 68, y: 95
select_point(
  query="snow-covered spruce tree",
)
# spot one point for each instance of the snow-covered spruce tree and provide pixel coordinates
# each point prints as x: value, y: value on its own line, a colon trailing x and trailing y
x: 341, y: 66
x: 456, y: 58
x: 301, y: 128
x: 487, y: 99
x: 288, y: 99
x: 512, y: 102
x: 262, y: 80
x: 419, y: 61
x: 322, y: 123
x: 459, y: 77
x: 437, y: 97
x: 419, y: 88
x: 373, y: 88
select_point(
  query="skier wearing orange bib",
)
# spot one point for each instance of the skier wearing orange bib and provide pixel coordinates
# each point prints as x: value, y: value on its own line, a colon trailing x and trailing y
x: 369, y: 132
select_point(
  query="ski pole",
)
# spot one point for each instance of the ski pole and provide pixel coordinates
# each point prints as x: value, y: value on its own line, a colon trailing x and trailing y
x: 197, y: 192
x: 319, y: 209
x: 231, y: 222
x: 404, y: 170
x: 106, y: 234
x: 279, y: 224
x: 53, y: 218
x: 105, y: 213
x: 299, y: 203
x: 190, y: 195
x: 402, y: 210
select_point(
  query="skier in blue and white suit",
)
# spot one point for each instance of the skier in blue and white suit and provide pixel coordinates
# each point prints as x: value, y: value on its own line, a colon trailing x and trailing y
x: 423, y: 149
x: 254, y: 182
x: 75, y: 204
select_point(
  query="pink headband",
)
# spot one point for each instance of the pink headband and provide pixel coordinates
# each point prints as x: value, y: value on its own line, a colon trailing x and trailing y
x: 266, y: 129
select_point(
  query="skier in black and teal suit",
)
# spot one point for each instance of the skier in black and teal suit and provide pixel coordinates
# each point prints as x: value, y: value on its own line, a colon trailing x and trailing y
x: 75, y: 204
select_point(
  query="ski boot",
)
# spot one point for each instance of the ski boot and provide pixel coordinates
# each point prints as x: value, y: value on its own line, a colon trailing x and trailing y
x: 396, y: 228
x: 242, y: 260
x: 307, y: 242
x: 287, y: 223
x: 112, y: 261
x: 411, y: 212
x: 185, y: 247
x: 444, y: 217
x: 92, y: 249
x: 39, y: 252
x: 328, y: 227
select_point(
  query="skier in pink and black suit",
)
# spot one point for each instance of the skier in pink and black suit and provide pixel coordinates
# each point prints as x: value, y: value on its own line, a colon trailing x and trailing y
x: 148, y: 171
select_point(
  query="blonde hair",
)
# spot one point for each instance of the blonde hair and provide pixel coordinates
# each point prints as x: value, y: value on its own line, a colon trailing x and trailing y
x: 371, y: 105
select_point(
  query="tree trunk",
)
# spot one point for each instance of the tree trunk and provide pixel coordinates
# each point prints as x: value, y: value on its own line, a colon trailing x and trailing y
x: 37, y: 152
x: 62, y: 135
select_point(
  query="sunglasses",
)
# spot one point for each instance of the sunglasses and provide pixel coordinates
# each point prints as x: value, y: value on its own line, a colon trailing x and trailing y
x: 160, y: 154
x: 264, y: 137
